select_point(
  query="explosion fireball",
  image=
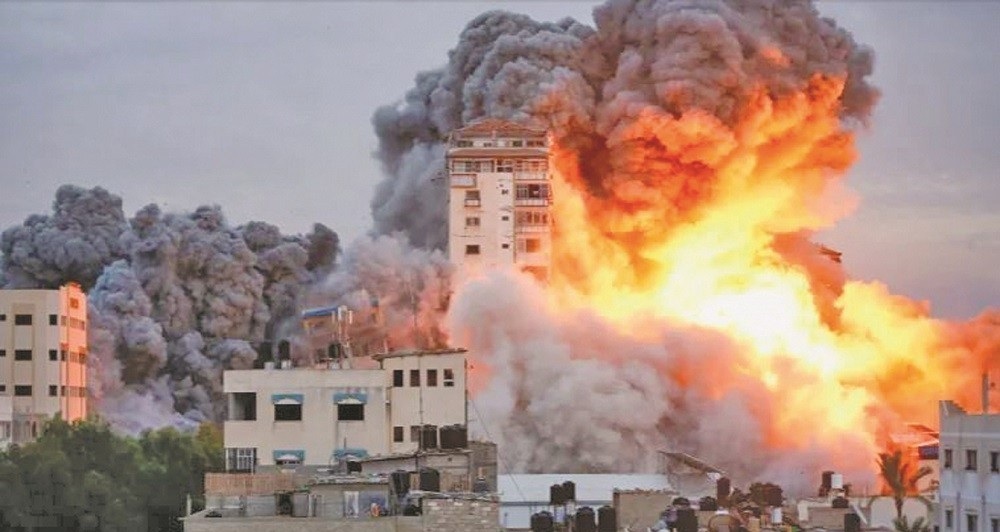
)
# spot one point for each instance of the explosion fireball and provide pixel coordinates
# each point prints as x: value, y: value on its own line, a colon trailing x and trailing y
x: 698, y: 147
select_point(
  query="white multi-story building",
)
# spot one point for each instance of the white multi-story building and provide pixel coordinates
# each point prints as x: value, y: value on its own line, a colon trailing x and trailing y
x: 499, y: 198
x: 320, y: 414
x: 969, y: 493
x: 43, y: 359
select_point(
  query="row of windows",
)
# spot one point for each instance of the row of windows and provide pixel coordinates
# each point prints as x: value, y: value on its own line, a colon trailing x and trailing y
x: 27, y: 319
x: 294, y: 413
x: 399, y: 432
x: 521, y: 191
x: 524, y: 245
x: 523, y: 218
x: 972, y: 460
x: 971, y: 521
x: 26, y: 354
x: 501, y: 143
x: 432, y: 378
x: 25, y: 390
x: 501, y: 165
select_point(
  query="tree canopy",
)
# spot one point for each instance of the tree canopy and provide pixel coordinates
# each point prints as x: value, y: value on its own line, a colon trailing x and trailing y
x: 84, y: 476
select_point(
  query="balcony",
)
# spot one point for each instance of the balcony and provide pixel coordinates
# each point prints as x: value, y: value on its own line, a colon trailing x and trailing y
x: 473, y: 203
x: 531, y: 176
x: 531, y: 202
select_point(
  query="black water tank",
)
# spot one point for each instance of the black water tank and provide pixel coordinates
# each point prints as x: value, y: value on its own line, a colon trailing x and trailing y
x: 852, y: 523
x: 569, y: 490
x: 556, y: 495
x: 284, y: 350
x: 461, y: 437
x: 607, y: 519
x: 708, y: 504
x: 428, y: 437
x: 584, y: 520
x: 680, y: 501
x: 840, y: 502
x: 687, y: 521
x: 722, y: 489
x: 430, y: 479
x: 447, y: 437
x: 400, y: 482
x: 353, y: 466
x: 773, y: 495
x: 542, y: 522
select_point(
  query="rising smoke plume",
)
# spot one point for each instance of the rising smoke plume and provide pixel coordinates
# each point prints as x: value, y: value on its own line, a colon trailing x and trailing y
x: 174, y: 298
x: 697, y: 147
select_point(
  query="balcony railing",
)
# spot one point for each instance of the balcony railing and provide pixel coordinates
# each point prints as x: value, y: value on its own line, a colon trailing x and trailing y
x: 531, y: 176
x: 473, y: 203
x: 531, y: 202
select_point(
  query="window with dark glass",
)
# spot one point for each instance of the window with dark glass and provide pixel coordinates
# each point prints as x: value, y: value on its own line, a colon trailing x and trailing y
x: 970, y: 460
x: 53, y: 319
x: 414, y: 377
x: 432, y: 377
x: 350, y: 412
x: 449, y: 377
x: 397, y: 378
x: 947, y: 458
x: 22, y: 354
x: 414, y: 433
x: 53, y: 354
x: 397, y: 435
x: 3, y: 352
x: 994, y: 462
x: 971, y: 523
x: 53, y: 390
x: 288, y: 412
x: 22, y: 391
x: 243, y: 406
x: 22, y: 319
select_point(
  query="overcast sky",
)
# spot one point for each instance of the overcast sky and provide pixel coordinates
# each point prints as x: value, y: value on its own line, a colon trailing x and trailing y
x: 264, y: 108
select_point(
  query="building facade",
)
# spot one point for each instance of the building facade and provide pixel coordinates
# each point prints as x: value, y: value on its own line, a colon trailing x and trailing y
x: 969, y: 493
x: 317, y: 415
x: 499, y: 198
x: 43, y: 359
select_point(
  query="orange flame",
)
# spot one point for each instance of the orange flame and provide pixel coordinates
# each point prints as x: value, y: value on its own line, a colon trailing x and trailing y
x: 707, y: 223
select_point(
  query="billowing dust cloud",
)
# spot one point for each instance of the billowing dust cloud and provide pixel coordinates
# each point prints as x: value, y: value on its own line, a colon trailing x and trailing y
x: 697, y: 147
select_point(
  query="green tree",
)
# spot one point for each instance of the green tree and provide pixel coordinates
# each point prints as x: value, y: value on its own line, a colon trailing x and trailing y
x: 900, y: 477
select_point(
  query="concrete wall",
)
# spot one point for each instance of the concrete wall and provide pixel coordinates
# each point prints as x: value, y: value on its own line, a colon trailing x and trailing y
x: 232, y: 484
x: 640, y: 509
x: 458, y: 515
x: 437, y: 405
x: 319, y: 432
x: 199, y: 523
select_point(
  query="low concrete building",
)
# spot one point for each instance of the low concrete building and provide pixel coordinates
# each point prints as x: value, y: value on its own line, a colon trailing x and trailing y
x: 969, y: 495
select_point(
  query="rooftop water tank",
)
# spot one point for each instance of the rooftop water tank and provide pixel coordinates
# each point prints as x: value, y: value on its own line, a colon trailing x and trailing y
x: 607, y: 519
x: 584, y: 520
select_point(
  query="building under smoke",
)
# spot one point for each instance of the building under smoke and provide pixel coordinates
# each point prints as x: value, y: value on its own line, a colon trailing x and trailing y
x: 499, y: 198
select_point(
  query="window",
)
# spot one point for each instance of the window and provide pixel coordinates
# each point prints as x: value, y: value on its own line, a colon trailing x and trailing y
x: 53, y: 319
x: 536, y: 143
x: 994, y: 463
x: 3, y: 317
x: 22, y: 319
x: 472, y: 249
x: 532, y: 218
x: 947, y: 458
x: 971, y: 523
x: 970, y: 460
x: 243, y: 406
x: 505, y: 218
x: 397, y: 378
x: 449, y: 377
x: 472, y: 198
x: 472, y: 221
x: 397, y: 436
x: 53, y: 355
x: 22, y: 391
x: 22, y: 354
x: 3, y: 388
x: 534, y: 191
x: 241, y: 459
x: 62, y: 355
x: 53, y: 389
x: 350, y: 412
x: 994, y: 524
x: 288, y: 412
x: 432, y: 377
x: 517, y: 143
x: 529, y: 245
x: 62, y: 391
x: 3, y: 352
x: 74, y: 302
x: 948, y: 517
x: 415, y: 433
x: 505, y: 245
x: 414, y: 377
x: 505, y: 165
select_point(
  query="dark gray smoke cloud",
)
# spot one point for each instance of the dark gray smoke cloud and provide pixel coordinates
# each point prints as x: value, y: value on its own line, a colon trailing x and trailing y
x: 174, y: 298
x: 563, y: 396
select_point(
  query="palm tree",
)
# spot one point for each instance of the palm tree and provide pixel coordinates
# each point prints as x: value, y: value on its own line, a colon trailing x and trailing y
x: 918, y: 525
x: 900, y: 477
